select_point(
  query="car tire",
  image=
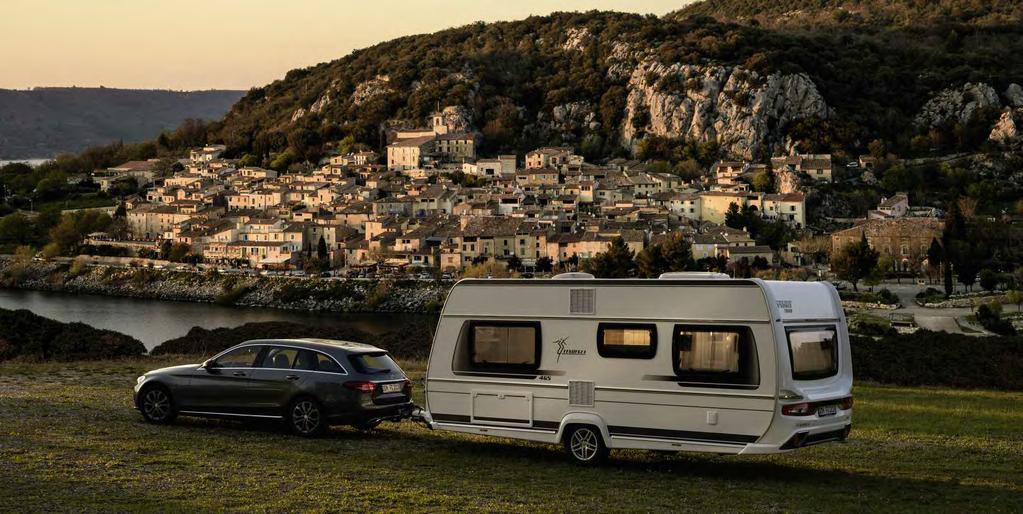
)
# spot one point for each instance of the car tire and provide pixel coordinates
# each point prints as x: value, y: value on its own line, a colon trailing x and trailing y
x: 157, y: 405
x: 368, y: 425
x: 585, y: 444
x: 306, y: 417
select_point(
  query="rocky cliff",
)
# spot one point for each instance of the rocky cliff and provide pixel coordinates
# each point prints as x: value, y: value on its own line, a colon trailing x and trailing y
x: 739, y: 109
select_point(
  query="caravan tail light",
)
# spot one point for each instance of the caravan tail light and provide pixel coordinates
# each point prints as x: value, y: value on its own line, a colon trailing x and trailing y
x: 810, y: 408
x: 361, y: 385
x: 798, y: 409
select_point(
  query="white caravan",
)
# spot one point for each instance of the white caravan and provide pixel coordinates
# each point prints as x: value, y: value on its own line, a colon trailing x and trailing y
x: 687, y: 362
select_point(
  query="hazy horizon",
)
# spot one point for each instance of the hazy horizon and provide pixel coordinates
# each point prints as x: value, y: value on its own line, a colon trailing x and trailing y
x: 193, y: 45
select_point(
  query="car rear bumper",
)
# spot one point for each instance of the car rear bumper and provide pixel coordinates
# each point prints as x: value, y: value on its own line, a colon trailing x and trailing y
x: 395, y: 412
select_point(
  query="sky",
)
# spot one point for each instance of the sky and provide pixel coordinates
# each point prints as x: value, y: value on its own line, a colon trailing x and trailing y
x: 227, y: 44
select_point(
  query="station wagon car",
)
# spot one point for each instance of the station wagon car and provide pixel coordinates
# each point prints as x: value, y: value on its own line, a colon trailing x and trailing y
x: 309, y: 384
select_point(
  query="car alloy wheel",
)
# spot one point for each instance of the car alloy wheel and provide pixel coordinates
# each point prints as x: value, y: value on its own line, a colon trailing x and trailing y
x: 305, y: 417
x: 156, y: 405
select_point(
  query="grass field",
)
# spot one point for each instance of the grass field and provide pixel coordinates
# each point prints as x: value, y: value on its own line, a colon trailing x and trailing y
x: 70, y: 441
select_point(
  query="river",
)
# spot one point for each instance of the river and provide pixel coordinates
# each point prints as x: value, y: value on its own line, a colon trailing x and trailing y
x: 155, y: 321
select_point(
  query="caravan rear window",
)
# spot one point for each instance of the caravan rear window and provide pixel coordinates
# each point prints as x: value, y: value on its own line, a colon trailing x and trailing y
x: 504, y: 346
x: 630, y: 341
x: 715, y: 356
x: 813, y: 352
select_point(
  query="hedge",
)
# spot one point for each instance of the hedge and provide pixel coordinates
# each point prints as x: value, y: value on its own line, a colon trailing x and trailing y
x: 940, y: 359
x: 24, y: 334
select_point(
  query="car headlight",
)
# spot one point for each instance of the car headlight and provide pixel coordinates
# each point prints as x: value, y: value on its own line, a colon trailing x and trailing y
x: 141, y: 379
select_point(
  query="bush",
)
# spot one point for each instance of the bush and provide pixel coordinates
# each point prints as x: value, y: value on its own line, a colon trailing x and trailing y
x: 989, y: 315
x: 940, y: 359
x: 410, y: 339
x: 887, y: 297
x: 24, y: 334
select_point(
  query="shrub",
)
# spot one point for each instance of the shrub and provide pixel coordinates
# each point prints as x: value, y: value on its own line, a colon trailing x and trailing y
x: 940, y: 359
x: 989, y: 315
x: 25, y: 334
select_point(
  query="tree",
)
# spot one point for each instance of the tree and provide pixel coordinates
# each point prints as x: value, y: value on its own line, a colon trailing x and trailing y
x: 321, y: 249
x: 121, y: 212
x: 544, y: 264
x: 616, y: 262
x: 1015, y: 296
x: 855, y: 261
x: 514, y: 263
x: 733, y: 218
x: 764, y: 182
x: 988, y: 279
x: 16, y: 228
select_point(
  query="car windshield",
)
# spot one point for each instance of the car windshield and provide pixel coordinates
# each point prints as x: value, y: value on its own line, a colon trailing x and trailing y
x: 814, y: 352
x: 374, y: 363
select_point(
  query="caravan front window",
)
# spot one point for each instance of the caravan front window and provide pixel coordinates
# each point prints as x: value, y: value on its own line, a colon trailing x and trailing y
x: 505, y: 346
x: 813, y: 352
x: 715, y: 356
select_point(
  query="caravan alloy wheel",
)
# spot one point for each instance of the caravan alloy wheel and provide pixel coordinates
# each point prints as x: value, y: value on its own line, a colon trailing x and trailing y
x: 586, y: 445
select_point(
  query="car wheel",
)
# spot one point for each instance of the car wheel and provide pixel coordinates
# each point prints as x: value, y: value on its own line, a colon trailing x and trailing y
x: 306, y: 418
x: 586, y: 445
x: 157, y: 405
x: 366, y: 426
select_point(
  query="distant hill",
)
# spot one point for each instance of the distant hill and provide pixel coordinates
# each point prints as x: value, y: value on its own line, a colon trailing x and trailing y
x: 814, y: 13
x: 43, y: 122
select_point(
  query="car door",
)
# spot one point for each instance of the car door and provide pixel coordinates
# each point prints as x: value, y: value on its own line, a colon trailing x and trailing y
x: 277, y: 379
x: 225, y: 385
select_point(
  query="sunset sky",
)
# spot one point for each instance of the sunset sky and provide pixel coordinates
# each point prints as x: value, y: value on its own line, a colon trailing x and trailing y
x: 226, y: 44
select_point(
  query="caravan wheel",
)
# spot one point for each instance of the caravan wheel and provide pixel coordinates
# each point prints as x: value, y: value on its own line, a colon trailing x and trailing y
x: 586, y: 445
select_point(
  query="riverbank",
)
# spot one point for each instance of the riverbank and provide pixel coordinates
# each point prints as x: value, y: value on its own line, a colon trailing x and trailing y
x: 289, y: 293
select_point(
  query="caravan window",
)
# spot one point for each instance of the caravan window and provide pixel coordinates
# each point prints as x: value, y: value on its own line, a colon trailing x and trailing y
x: 715, y: 356
x: 504, y: 346
x: 813, y: 352
x: 630, y: 341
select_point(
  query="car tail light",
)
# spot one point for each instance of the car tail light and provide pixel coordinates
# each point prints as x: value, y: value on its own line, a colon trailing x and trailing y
x: 846, y: 403
x: 361, y: 385
x: 798, y: 409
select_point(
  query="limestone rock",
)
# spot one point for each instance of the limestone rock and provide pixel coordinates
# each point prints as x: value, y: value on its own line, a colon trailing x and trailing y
x: 957, y: 104
x: 457, y: 118
x: 369, y: 89
x: 737, y: 108
x: 1007, y: 130
x: 1014, y: 95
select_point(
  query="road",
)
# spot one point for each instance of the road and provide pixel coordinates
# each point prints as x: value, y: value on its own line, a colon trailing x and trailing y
x: 930, y: 319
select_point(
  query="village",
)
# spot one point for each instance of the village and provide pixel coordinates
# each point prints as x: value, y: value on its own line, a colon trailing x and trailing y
x: 438, y: 206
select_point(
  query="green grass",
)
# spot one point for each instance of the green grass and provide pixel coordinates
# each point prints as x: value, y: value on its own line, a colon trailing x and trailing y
x: 70, y: 441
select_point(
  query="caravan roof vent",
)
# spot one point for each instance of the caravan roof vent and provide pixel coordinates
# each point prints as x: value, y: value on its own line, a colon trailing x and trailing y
x: 681, y: 275
x: 575, y: 275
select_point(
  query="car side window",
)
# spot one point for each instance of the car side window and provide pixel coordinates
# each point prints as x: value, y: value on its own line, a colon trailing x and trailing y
x: 306, y: 361
x: 325, y: 363
x: 244, y: 357
x: 280, y: 358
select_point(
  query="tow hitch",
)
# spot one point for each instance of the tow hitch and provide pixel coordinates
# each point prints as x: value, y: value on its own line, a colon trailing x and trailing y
x: 421, y: 415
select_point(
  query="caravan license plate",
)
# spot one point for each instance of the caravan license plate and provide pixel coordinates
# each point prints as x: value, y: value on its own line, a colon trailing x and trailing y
x: 827, y: 410
x: 391, y: 388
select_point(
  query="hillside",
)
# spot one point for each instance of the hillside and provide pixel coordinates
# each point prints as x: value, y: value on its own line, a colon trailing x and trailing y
x: 43, y: 122
x: 903, y: 13
x: 605, y: 82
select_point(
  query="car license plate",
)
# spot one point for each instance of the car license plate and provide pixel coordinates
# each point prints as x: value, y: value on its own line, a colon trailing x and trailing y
x: 827, y: 410
x: 392, y: 388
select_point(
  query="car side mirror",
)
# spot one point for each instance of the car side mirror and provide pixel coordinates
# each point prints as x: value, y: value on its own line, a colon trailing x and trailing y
x: 210, y: 365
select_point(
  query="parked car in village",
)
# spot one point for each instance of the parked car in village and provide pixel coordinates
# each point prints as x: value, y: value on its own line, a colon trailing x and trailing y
x: 309, y: 384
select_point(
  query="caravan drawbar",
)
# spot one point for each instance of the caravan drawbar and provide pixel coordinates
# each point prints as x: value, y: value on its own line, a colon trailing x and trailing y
x: 687, y: 362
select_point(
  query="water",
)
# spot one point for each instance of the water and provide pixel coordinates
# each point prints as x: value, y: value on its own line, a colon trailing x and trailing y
x: 30, y: 162
x: 155, y: 321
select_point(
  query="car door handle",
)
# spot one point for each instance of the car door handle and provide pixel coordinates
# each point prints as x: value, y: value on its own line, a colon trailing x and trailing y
x: 239, y: 373
x: 292, y: 377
